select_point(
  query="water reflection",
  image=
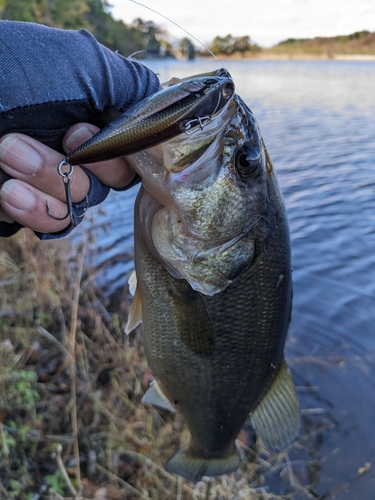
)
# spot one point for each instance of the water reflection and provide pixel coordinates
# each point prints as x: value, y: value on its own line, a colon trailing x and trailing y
x: 318, y: 122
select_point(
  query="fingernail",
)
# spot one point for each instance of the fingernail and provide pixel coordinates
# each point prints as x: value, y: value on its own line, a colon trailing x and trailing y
x: 78, y: 137
x: 18, y: 155
x: 17, y: 195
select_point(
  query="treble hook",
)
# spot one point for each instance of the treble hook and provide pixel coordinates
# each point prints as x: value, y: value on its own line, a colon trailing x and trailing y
x: 68, y: 195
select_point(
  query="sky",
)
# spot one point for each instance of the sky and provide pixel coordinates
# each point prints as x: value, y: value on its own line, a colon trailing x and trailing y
x: 267, y: 22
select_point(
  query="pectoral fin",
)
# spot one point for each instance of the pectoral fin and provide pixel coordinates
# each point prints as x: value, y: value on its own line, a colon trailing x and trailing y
x: 192, y: 321
x: 276, y: 418
x: 132, y: 283
x: 155, y: 396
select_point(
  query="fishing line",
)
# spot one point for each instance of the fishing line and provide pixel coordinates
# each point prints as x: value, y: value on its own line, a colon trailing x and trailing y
x: 180, y: 27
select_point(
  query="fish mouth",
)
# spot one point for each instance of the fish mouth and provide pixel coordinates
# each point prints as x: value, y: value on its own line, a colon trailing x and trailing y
x: 171, y: 162
x: 200, y: 115
x: 186, y: 177
x: 188, y: 157
x: 207, y: 209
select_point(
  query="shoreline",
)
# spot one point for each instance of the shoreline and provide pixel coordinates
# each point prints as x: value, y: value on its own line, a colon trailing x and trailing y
x: 298, y: 57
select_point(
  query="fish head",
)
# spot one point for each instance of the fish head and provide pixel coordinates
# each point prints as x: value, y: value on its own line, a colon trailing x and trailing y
x: 211, y: 194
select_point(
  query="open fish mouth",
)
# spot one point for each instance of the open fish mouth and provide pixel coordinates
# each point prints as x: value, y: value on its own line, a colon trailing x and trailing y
x: 200, y: 154
x: 206, y: 185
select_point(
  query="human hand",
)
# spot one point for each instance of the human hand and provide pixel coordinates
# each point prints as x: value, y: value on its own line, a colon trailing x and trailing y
x: 35, y: 181
x: 53, y: 79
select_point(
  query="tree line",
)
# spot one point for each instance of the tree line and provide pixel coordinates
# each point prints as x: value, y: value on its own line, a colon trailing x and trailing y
x: 144, y: 37
x: 93, y: 15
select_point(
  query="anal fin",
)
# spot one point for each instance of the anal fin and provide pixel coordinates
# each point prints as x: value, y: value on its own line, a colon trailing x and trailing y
x: 276, y: 418
x: 155, y: 396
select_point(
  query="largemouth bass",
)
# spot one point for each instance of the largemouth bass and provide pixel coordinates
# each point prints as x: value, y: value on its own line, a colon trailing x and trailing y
x: 214, y: 288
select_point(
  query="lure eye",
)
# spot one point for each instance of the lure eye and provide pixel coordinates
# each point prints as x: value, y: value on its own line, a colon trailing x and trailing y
x: 248, y: 162
x: 210, y: 81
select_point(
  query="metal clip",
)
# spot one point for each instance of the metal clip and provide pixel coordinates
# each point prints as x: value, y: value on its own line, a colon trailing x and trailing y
x: 200, y: 121
x: 68, y: 195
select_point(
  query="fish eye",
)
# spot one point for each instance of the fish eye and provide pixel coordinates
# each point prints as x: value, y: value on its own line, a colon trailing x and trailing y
x: 228, y: 90
x: 248, y: 162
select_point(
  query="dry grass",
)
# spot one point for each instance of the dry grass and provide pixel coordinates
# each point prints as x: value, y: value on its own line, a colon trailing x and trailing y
x: 71, y: 421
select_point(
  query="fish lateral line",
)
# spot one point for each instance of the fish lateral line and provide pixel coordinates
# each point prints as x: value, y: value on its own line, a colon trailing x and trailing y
x: 181, y: 28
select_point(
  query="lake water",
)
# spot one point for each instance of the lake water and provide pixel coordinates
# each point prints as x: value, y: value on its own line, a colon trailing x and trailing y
x: 318, y: 121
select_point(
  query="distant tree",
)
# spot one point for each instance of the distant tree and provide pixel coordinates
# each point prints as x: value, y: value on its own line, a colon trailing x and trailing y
x: 93, y: 15
x: 184, y: 45
x: 292, y: 41
x: 113, y: 34
x: 151, y: 35
x: 70, y: 14
x: 187, y: 48
x: 20, y: 10
x: 229, y: 45
x: 242, y: 44
x: 342, y: 39
x: 222, y: 45
x: 357, y: 35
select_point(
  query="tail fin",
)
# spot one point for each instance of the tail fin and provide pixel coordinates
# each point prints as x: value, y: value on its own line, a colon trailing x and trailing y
x: 193, y: 468
x: 276, y: 418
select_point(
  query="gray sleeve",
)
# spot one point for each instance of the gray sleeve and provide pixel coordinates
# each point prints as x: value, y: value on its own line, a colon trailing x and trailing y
x: 52, y: 78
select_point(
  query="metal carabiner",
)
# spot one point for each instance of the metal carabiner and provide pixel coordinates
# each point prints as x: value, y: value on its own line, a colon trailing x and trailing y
x: 68, y: 195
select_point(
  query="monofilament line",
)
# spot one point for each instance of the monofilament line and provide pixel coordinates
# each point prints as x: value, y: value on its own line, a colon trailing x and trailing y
x: 180, y: 27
